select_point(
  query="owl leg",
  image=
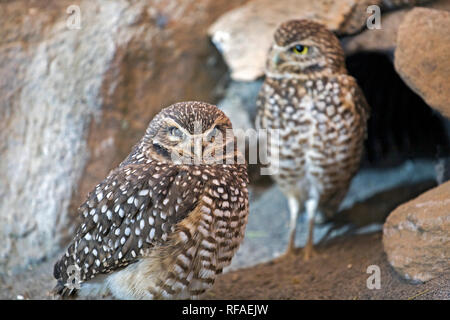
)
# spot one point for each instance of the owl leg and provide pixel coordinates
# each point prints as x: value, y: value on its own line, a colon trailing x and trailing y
x: 293, y: 210
x: 311, y: 209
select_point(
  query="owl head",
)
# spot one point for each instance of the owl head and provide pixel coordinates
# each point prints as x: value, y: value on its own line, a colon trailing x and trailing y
x: 302, y: 48
x: 190, y: 132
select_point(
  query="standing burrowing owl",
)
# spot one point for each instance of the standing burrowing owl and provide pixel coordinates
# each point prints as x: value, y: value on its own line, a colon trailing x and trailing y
x: 158, y: 227
x: 321, y: 114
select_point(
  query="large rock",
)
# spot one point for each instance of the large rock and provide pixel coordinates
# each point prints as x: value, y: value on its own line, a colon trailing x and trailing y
x: 74, y: 101
x: 422, y: 56
x: 416, y: 236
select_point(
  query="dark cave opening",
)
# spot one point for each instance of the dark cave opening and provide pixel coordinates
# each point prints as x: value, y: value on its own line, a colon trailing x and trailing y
x: 401, y: 126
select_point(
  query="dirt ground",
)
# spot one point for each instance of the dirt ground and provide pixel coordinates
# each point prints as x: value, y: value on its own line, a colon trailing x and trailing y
x: 337, y: 272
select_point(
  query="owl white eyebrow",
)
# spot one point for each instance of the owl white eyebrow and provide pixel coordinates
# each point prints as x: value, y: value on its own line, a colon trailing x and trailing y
x: 210, y: 129
x: 204, y: 134
x: 171, y: 122
x: 216, y: 122
x: 214, y: 125
x: 277, y: 47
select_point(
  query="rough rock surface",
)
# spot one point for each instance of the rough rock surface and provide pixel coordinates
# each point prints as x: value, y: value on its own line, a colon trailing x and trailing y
x: 74, y: 101
x: 244, y: 35
x: 385, y: 39
x: 416, y: 236
x: 422, y: 57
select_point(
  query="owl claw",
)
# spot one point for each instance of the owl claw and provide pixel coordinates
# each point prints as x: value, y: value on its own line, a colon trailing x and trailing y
x: 309, y: 252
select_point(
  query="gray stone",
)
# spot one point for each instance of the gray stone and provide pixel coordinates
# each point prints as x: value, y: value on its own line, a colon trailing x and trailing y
x: 47, y: 105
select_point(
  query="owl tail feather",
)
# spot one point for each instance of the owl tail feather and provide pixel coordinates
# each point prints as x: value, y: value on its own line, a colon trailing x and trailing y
x: 61, y: 291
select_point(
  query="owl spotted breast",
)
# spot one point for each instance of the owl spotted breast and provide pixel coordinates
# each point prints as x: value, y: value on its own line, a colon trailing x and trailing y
x: 321, y: 116
x: 166, y: 222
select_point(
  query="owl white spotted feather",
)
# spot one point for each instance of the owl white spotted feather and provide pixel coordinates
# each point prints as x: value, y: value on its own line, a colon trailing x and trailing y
x: 156, y: 228
x: 321, y: 115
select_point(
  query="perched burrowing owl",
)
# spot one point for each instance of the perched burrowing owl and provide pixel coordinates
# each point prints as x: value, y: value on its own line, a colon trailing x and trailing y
x: 166, y: 222
x: 321, y: 114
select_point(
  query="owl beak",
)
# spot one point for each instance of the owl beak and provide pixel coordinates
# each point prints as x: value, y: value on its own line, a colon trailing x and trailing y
x: 198, y: 148
x: 276, y: 51
x: 276, y: 58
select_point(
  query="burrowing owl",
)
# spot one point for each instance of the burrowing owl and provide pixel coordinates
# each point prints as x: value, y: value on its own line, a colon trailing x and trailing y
x: 166, y: 222
x: 321, y: 114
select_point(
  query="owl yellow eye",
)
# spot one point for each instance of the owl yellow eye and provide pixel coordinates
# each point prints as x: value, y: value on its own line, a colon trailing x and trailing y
x: 299, y: 49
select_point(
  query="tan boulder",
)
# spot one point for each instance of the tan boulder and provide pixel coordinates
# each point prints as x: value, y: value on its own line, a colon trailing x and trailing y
x: 422, y: 56
x: 416, y: 236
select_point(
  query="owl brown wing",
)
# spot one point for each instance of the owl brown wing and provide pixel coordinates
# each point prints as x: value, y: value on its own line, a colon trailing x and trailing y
x: 135, y: 208
x: 260, y: 103
x: 360, y: 100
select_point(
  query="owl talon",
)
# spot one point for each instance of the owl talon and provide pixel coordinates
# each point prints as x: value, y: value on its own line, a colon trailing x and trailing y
x: 309, y: 253
x: 291, y: 251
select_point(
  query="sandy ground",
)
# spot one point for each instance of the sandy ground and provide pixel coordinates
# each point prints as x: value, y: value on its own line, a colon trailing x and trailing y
x: 337, y: 272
